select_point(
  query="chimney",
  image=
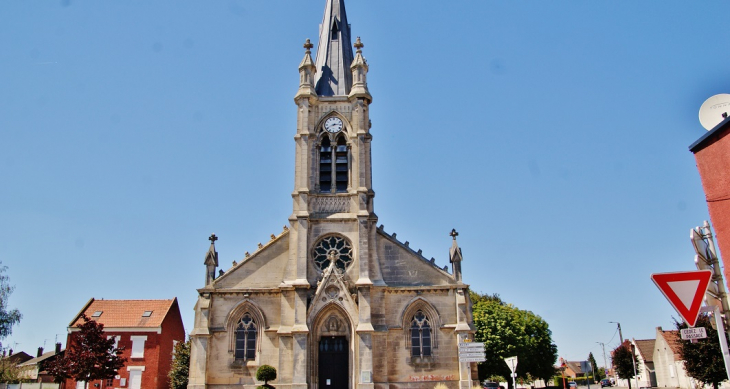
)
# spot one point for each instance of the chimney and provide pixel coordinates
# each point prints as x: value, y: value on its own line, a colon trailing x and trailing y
x: 11, y: 352
x: 58, y: 348
x: 40, y: 351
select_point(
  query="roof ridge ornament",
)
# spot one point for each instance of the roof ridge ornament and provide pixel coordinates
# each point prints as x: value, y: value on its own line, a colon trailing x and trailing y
x: 358, y: 45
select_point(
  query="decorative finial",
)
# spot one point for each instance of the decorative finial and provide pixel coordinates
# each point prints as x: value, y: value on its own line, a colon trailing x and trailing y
x: 308, y: 45
x: 453, y: 233
x: 273, y: 236
x: 358, y: 45
x: 212, y: 238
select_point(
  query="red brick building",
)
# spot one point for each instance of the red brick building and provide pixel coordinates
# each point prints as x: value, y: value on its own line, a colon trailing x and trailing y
x: 712, y: 153
x: 148, y: 331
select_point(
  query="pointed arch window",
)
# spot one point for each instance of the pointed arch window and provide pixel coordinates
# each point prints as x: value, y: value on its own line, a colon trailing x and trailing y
x: 335, y: 31
x: 420, y: 335
x: 334, y: 165
x: 246, y: 338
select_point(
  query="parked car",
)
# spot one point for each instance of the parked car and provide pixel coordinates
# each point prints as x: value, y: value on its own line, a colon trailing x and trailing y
x: 572, y: 385
x: 491, y: 385
x: 606, y: 382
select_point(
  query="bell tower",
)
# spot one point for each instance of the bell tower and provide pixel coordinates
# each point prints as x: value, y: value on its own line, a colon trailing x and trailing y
x: 333, y: 175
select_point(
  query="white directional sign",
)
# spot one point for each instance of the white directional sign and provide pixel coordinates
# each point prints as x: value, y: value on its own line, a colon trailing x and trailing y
x: 470, y: 345
x: 472, y: 352
x: 472, y: 359
x: 694, y: 333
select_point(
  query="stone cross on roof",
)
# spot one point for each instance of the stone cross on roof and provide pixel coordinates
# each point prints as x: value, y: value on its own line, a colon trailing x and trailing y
x: 453, y: 233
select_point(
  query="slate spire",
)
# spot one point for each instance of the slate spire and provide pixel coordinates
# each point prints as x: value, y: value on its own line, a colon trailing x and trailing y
x: 334, y: 52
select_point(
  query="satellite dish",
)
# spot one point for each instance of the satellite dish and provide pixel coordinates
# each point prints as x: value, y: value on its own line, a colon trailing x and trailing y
x: 713, y: 109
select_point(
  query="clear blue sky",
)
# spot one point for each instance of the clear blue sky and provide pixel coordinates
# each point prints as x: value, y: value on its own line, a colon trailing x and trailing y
x: 552, y: 135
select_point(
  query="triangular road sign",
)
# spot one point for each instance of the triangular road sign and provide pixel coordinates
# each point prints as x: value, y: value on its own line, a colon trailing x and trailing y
x: 685, y: 291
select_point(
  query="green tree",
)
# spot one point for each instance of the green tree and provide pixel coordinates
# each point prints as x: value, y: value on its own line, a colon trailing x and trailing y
x: 8, y: 317
x: 703, y: 359
x: 266, y: 373
x: 507, y: 331
x: 89, y: 356
x: 10, y: 372
x: 623, y: 361
x: 178, y: 374
x: 594, y: 365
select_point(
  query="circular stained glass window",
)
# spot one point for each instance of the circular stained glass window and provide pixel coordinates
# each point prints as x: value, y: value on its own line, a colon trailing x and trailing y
x: 332, y: 249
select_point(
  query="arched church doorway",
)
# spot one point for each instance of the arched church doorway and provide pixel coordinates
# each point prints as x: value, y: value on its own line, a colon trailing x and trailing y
x: 333, y: 349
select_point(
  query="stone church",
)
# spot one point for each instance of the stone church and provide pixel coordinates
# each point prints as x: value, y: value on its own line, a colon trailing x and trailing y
x: 333, y: 301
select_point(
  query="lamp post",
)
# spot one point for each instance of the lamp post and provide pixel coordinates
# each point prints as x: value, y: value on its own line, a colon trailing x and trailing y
x: 605, y: 365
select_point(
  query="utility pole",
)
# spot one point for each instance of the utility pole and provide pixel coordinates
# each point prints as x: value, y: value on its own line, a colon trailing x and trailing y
x: 633, y: 361
x: 605, y: 365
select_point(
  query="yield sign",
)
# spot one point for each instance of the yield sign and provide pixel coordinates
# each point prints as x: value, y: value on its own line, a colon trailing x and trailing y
x: 685, y: 291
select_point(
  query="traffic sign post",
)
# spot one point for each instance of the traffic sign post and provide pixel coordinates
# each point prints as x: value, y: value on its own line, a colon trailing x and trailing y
x: 685, y: 291
x: 512, y: 364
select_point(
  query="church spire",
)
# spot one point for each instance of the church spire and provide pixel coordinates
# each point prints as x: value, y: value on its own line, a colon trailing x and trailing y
x: 334, y: 52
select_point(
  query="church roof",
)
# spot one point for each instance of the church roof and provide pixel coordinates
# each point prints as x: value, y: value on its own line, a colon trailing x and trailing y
x: 334, y: 52
x: 126, y: 313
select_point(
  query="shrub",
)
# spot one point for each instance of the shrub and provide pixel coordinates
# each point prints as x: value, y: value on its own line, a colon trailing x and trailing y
x: 266, y: 373
x: 440, y: 385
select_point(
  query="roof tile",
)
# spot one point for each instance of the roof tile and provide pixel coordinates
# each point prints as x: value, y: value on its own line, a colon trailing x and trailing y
x: 127, y: 313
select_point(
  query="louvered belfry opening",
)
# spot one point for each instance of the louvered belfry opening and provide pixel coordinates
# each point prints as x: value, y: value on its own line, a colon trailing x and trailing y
x: 341, y: 167
x: 325, y: 166
x: 334, y: 165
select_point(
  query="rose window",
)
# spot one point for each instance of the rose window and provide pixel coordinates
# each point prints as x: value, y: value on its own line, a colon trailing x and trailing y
x: 332, y: 249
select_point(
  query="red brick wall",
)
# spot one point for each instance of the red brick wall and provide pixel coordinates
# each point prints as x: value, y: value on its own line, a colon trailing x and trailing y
x: 713, y: 163
x: 172, y: 330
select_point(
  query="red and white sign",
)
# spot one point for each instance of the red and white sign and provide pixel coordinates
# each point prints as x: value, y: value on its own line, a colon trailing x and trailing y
x: 685, y: 291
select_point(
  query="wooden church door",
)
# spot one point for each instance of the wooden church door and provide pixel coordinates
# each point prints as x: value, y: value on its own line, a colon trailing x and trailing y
x: 333, y: 362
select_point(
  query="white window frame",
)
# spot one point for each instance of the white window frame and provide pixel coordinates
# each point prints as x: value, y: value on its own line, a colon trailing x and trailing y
x: 117, y: 338
x: 138, y: 346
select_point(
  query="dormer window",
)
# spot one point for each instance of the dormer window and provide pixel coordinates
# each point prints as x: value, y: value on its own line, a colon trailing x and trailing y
x: 334, y: 164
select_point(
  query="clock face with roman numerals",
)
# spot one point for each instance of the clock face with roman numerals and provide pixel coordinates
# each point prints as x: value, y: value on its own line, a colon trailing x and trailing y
x: 333, y: 124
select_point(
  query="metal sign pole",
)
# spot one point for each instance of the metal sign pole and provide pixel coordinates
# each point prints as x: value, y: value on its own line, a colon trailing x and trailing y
x: 721, y: 335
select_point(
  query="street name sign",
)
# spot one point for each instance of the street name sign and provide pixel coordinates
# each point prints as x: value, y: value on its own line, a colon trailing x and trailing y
x: 685, y: 291
x: 694, y: 333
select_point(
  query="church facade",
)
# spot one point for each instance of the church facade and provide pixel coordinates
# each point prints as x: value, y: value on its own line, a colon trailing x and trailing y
x: 333, y: 301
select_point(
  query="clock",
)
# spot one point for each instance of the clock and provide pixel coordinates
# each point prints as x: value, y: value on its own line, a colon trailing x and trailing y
x: 333, y: 124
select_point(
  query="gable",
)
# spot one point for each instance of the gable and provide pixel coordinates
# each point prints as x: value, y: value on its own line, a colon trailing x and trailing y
x: 263, y: 269
x: 401, y: 266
